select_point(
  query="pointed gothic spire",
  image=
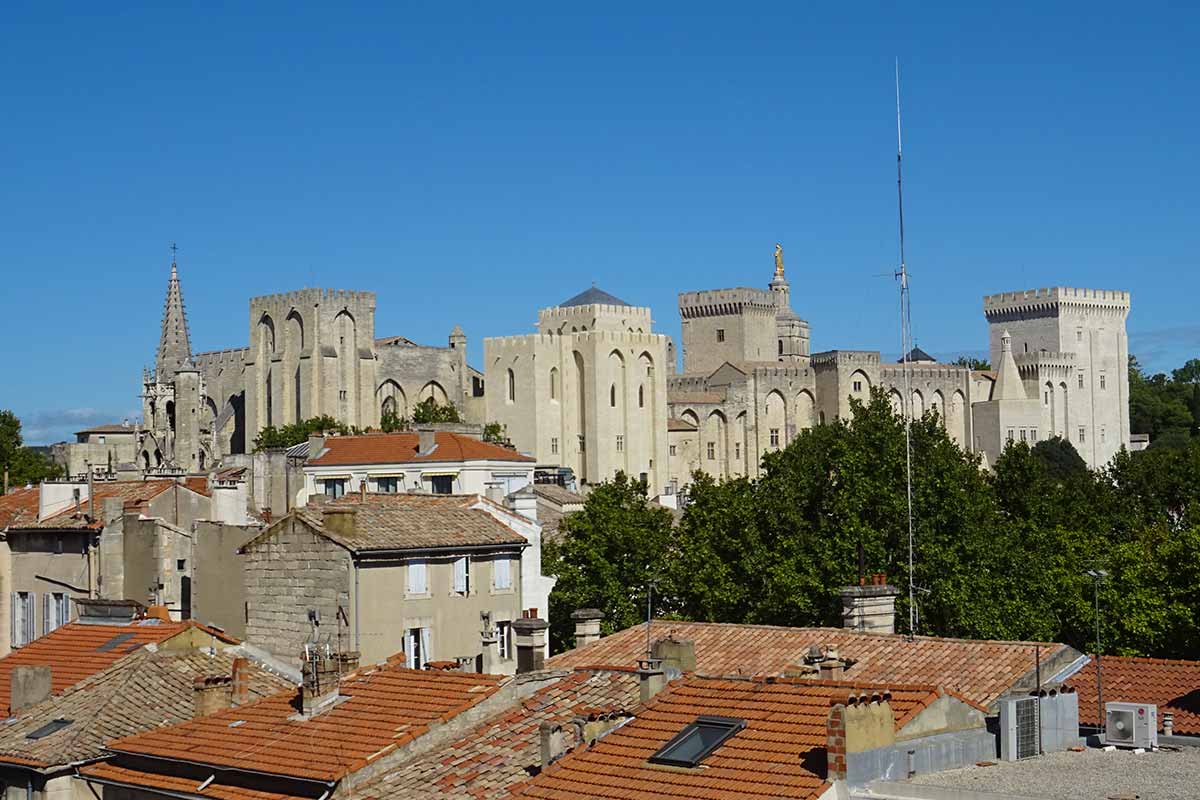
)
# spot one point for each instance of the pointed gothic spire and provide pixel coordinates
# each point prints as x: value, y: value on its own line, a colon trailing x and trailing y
x: 174, y: 347
x: 1008, y: 378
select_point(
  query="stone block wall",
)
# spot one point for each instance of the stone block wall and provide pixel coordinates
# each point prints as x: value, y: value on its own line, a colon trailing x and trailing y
x: 286, y: 574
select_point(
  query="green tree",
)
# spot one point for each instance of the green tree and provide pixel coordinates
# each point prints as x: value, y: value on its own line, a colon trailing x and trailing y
x: 390, y: 422
x: 1061, y: 458
x: 494, y: 432
x: 428, y: 411
x: 606, y: 557
x: 25, y: 465
x: 271, y: 438
x: 972, y: 363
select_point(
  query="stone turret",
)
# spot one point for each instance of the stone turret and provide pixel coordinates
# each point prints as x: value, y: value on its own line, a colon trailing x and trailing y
x: 1008, y: 379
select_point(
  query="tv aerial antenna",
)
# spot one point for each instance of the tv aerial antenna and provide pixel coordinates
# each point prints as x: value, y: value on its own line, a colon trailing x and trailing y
x: 906, y: 347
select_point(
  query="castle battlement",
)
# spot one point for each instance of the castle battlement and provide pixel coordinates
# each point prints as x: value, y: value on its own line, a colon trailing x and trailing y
x: 837, y: 357
x: 1039, y: 299
x: 618, y: 338
x: 594, y: 309
x: 298, y: 297
x: 931, y: 371
x: 234, y: 355
x: 781, y: 371
x: 726, y: 302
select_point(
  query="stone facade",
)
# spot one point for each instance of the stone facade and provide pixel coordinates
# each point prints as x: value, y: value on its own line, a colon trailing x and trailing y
x: 750, y: 385
x: 587, y: 391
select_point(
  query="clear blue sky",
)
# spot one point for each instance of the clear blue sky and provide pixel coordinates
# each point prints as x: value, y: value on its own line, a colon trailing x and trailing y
x: 472, y: 163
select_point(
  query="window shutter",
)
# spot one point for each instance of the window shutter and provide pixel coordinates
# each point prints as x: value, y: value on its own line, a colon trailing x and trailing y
x: 66, y: 609
x: 47, y: 613
x: 30, y: 630
x: 412, y: 649
x: 13, y: 634
x: 417, y: 580
x: 426, y: 651
x: 502, y: 567
x: 460, y: 574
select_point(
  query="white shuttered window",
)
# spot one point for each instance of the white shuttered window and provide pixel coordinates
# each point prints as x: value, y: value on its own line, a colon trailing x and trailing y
x: 502, y: 572
x: 462, y: 575
x: 418, y: 577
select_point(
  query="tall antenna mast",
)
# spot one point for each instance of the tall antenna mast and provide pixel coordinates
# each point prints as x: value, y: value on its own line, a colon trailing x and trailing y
x: 906, y: 348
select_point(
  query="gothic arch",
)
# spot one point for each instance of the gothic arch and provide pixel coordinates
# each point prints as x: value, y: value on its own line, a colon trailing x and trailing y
x: 294, y: 338
x: 266, y: 332
x: 897, y: 402
x: 805, y: 403
x: 860, y: 386
x: 938, y: 403
x: 346, y: 330
x: 687, y: 415
x: 773, y: 434
x: 434, y: 389
x: 555, y: 389
x: 713, y: 443
x: 956, y: 418
x: 918, y: 404
x: 391, y: 397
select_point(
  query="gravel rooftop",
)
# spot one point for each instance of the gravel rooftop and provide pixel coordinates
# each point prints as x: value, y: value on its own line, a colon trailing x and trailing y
x: 1091, y: 775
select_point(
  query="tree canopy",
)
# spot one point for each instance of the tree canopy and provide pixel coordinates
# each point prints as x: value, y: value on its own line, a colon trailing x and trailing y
x: 1000, y: 554
x: 25, y: 465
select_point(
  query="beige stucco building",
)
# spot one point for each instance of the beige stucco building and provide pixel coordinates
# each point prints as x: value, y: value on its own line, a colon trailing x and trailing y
x: 587, y: 391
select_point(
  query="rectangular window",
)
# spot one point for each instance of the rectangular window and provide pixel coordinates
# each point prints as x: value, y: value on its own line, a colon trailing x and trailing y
x: 22, y: 618
x: 442, y: 484
x: 774, y: 437
x: 1010, y: 434
x: 334, y: 487
x: 720, y: 334
x: 554, y: 445
x: 56, y: 610
x: 502, y: 572
x: 858, y: 386
x: 1101, y: 434
x: 672, y: 451
x: 102, y: 438
x: 1046, y: 398
x: 582, y: 444
x: 504, y: 639
x: 1080, y: 380
x: 620, y: 443
x: 1079, y: 335
x: 1082, y: 433
x: 418, y: 577
x: 712, y: 451
x: 417, y: 647
x: 1033, y: 435
x: 1023, y: 435
x: 390, y: 485
x: 1102, y: 382
x: 737, y: 449
x: 462, y: 576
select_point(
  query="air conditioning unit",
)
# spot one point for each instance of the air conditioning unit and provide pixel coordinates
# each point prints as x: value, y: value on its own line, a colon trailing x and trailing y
x: 1131, y: 724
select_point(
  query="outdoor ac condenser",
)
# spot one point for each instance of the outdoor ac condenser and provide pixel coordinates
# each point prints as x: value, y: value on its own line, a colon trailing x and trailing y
x: 1131, y: 724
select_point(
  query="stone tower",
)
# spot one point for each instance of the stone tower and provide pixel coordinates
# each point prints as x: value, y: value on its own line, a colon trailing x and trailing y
x: 173, y: 395
x: 312, y: 353
x: 1072, y: 352
x: 791, y: 332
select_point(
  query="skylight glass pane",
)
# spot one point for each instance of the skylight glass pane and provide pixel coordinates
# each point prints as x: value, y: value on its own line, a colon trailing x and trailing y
x: 48, y: 728
x: 697, y: 741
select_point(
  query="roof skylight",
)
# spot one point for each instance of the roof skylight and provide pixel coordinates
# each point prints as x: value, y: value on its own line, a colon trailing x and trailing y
x: 697, y: 741
x: 48, y: 728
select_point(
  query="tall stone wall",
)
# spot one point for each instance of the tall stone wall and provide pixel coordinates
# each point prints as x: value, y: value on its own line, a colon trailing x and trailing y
x: 287, y: 574
x: 722, y: 325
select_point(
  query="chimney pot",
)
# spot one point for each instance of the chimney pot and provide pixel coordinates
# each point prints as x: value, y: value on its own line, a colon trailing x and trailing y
x: 241, y: 681
x: 529, y: 634
x: 211, y: 694
x: 651, y: 678
x: 587, y: 625
x: 29, y: 686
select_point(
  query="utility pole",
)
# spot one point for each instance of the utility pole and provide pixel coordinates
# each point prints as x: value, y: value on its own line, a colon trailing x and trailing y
x: 1098, y: 576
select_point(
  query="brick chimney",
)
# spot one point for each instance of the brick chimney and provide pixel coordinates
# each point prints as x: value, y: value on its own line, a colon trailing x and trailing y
x: 870, y: 607
x: 831, y: 667
x: 240, y: 691
x: 28, y: 686
x: 835, y: 742
x: 855, y: 724
x: 587, y: 625
x: 530, y: 636
x: 339, y: 518
x: 552, y: 743
x: 211, y: 694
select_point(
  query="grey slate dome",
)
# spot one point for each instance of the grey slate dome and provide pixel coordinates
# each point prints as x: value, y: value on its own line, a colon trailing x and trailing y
x: 918, y: 356
x: 593, y: 296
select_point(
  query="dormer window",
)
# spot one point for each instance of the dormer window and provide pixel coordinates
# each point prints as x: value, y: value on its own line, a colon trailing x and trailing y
x: 697, y: 741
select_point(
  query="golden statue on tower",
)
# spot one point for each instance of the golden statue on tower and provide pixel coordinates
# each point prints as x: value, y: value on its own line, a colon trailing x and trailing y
x: 778, y: 260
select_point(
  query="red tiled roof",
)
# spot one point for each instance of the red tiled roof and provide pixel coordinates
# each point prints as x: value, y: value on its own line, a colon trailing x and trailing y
x: 980, y: 670
x: 675, y: 424
x: 134, y: 494
x: 780, y: 752
x: 380, y: 709
x: 73, y: 652
x: 108, y: 772
x: 1172, y: 685
x: 198, y: 484
x: 401, y: 448
x: 19, y: 506
x: 499, y: 753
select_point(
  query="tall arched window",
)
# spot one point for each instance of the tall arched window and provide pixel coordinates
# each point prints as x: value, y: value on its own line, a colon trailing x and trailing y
x: 554, y: 383
x: 641, y: 396
x: 512, y: 387
x: 612, y: 395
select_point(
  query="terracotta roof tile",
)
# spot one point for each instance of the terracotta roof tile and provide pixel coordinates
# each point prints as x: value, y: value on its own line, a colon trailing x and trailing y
x: 138, y: 692
x: 401, y: 448
x: 1171, y: 685
x: 134, y: 494
x: 499, y: 752
x: 557, y: 494
x: 780, y: 752
x: 73, y: 652
x: 675, y: 424
x: 19, y: 507
x: 108, y: 772
x: 379, y: 709
x: 408, y: 522
x: 979, y: 670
